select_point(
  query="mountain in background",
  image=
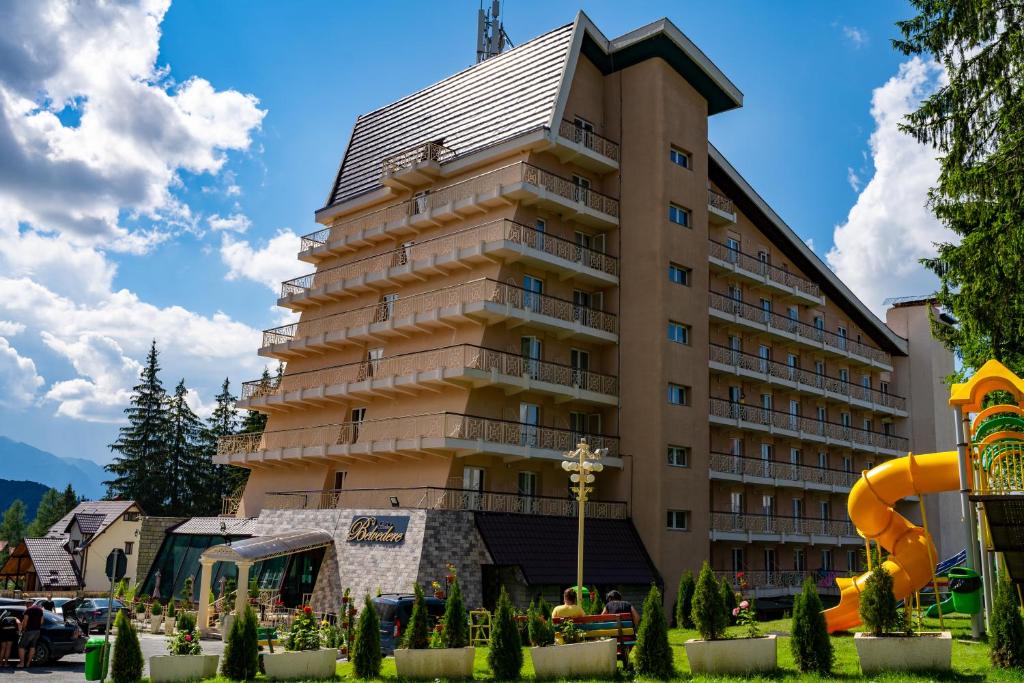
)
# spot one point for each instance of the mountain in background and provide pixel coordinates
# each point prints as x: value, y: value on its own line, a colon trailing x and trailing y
x: 28, y: 492
x: 19, y: 461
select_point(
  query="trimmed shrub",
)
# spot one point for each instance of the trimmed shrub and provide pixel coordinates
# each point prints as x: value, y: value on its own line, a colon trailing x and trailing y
x: 729, y: 602
x: 505, y: 657
x: 652, y: 655
x: 878, y: 608
x: 186, y: 621
x: 156, y: 609
x: 541, y: 633
x: 417, y: 633
x: 544, y: 607
x: 455, y: 627
x: 126, y: 665
x: 366, y: 655
x: 810, y: 642
x: 708, y: 612
x: 1006, y: 629
x: 241, y: 659
x: 684, y: 600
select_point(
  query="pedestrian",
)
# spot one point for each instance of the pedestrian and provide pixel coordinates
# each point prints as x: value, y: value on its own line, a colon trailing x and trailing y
x: 31, y: 625
x: 8, y: 636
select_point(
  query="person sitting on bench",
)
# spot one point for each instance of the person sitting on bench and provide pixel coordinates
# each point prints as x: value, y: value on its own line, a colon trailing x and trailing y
x: 614, y: 604
x: 568, y: 608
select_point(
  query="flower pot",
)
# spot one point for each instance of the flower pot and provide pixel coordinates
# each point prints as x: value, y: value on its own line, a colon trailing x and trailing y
x: 920, y: 652
x: 169, y: 625
x: 435, y: 663
x: 595, y: 659
x: 736, y: 656
x: 306, y: 664
x: 166, y: 668
x: 155, y: 622
x: 225, y: 626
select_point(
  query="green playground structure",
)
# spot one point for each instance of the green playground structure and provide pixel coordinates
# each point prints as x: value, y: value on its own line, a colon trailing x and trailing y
x: 964, y: 594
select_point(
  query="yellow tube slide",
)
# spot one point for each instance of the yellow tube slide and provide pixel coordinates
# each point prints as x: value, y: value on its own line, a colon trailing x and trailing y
x: 912, y: 554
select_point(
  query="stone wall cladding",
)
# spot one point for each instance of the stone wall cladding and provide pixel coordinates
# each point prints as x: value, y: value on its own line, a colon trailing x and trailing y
x: 452, y: 537
x: 151, y: 536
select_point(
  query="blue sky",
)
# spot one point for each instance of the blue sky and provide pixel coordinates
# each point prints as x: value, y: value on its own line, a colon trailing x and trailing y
x: 204, y: 135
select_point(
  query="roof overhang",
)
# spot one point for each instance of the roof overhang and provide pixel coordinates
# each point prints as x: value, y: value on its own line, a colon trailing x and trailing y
x: 268, y: 547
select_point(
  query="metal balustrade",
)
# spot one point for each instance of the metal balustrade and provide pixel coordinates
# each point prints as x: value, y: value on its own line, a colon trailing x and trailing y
x: 747, y: 579
x: 755, y: 265
x: 760, y: 523
x: 589, y: 139
x: 777, y: 419
x: 721, y: 202
x: 804, y: 379
x: 728, y: 463
x: 429, y: 151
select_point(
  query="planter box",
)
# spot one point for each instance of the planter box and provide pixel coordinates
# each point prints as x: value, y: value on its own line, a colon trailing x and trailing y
x: 305, y: 664
x: 225, y: 626
x: 169, y: 668
x: 595, y: 659
x: 736, y: 656
x: 429, y: 664
x: 169, y: 626
x: 923, y: 651
x: 155, y: 622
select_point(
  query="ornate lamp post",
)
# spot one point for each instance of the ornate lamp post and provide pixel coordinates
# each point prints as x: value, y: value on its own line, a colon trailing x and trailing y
x: 582, y: 463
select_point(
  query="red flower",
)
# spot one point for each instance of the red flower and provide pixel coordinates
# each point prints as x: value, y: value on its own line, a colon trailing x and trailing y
x: 307, y: 609
x: 188, y: 638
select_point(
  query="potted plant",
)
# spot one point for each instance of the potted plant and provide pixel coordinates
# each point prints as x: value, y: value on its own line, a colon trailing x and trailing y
x: 156, y: 617
x: 889, y: 644
x: 303, y: 657
x: 712, y: 653
x: 170, y: 617
x: 185, y: 660
x: 445, y: 652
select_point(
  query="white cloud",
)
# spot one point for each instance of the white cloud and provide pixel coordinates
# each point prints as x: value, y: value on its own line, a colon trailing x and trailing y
x: 18, y: 377
x: 269, y: 265
x: 236, y: 222
x: 101, y: 391
x: 876, y: 250
x: 857, y: 37
x: 853, y: 179
x: 9, y: 329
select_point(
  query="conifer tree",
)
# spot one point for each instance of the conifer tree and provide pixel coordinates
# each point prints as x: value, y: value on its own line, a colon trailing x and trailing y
x: 13, y: 526
x: 240, y: 661
x: 505, y: 658
x: 366, y: 657
x: 417, y: 632
x: 684, y: 600
x: 653, y: 655
x: 127, y: 662
x: 810, y: 642
x: 188, y: 470
x: 877, y: 605
x: 255, y: 421
x: 141, y: 446
x: 224, y: 422
x: 1006, y: 629
x: 456, y: 629
x: 50, y: 511
x: 729, y: 601
x: 708, y: 612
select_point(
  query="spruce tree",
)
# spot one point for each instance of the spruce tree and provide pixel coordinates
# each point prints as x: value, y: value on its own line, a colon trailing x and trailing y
x: 141, y: 446
x: 71, y: 499
x: 456, y: 629
x: 127, y: 662
x: 505, y: 658
x: 255, y: 421
x: 810, y: 642
x: 366, y: 658
x: 13, y: 526
x: 224, y: 422
x: 708, y: 612
x: 729, y: 601
x: 240, y: 661
x: 684, y: 600
x: 417, y: 632
x: 1006, y: 629
x: 188, y: 470
x: 653, y: 655
x: 877, y: 606
x: 49, y: 512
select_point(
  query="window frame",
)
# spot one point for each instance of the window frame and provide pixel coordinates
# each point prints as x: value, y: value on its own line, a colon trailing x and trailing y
x: 677, y: 210
x: 677, y: 153
x: 685, y: 274
x: 674, y: 450
x: 680, y: 390
x: 672, y: 516
x: 684, y: 337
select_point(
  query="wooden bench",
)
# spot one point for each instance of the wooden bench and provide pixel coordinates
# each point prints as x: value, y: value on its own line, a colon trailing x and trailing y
x: 617, y: 626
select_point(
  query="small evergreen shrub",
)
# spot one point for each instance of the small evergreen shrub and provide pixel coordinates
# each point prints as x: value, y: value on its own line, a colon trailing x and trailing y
x: 240, y: 661
x: 541, y: 633
x: 878, y: 608
x: 1006, y: 629
x: 684, y: 600
x: 172, y: 609
x: 186, y: 621
x: 126, y: 665
x: 728, y: 599
x: 454, y: 625
x: 810, y: 642
x: 708, y: 612
x: 545, y: 608
x: 652, y: 655
x: 156, y: 609
x: 417, y: 632
x: 505, y: 657
x: 366, y: 656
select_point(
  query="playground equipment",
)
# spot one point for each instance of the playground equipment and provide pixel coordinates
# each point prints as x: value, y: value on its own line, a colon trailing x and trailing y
x: 964, y: 594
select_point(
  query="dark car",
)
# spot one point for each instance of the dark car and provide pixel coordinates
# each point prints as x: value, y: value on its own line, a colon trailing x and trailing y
x: 394, y: 610
x: 91, y: 613
x: 57, y: 637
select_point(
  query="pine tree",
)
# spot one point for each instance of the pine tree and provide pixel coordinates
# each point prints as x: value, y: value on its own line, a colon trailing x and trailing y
x: 141, y: 445
x: 188, y: 471
x: 13, y: 526
x: 456, y: 629
x: 684, y: 600
x: 505, y: 658
x: 708, y: 612
x: 877, y: 606
x: 365, y: 654
x: 810, y: 642
x: 49, y: 512
x: 1006, y: 629
x: 223, y: 422
x: 653, y: 655
x: 71, y: 499
x: 127, y: 662
x: 417, y: 633
x: 255, y: 421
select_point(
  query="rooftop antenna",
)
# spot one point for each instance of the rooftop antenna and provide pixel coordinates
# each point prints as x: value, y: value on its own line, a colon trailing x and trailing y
x: 490, y: 32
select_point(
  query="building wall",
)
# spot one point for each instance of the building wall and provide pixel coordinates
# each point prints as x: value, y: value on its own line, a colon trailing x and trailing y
x: 115, y: 536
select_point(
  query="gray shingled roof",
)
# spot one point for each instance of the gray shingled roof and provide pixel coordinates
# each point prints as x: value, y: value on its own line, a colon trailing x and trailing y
x: 88, y: 523
x: 53, y: 563
x: 110, y: 510
x: 495, y: 100
x: 205, y: 526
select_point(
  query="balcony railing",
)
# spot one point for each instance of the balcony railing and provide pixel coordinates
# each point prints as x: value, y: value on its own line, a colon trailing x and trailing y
x: 450, y: 244
x: 721, y: 202
x: 777, y: 419
x: 589, y: 139
x: 804, y: 378
x: 747, y: 579
x: 464, y: 356
x: 727, y: 463
x: 455, y: 426
x: 519, y: 172
x: 832, y: 341
x: 482, y: 290
x: 752, y: 264
x: 760, y: 523
x: 430, y: 151
x: 437, y: 498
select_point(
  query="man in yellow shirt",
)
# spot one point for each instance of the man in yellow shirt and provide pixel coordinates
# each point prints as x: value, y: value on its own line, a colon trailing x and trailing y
x: 568, y: 608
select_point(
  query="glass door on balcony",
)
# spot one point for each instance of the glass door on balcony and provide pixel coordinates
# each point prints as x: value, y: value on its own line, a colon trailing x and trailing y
x: 735, y: 396
x: 826, y: 560
x: 766, y: 459
x: 841, y: 331
x: 357, y: 417
x: 768, y: 509
x: 793, y: 364
x: 736, y: 507
x: 794, y: 415
x: 795, y: 460
x: 472, y: 487
x: 580, y: 362
x: 766, y: 310
x: 733, y: 249
x: 763, y: 261
x: 798, y: 515
x: 764, y: 355
x: 540, y: 227
x: 581, y: 305
x: 526, y: 487
x: 531, y: 348
x: 771, y: 566
x: 533, y: 289
x: 766, y: 409
x: 581, y: 189
x: 737, y: 562
x: 529, y: 417
x: 793, y: 313
x: 372, y: 364
x: 386, y: 308
x: 799, y: 560
x: 735, y: 349
x: 824, y: 510
x: 819, y: 374
x: 419, y: 202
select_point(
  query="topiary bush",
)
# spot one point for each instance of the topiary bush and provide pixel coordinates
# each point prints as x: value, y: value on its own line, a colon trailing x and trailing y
x: 454, y: 626
x: 127, y: 663
x: 652, y: 655
x: 1006, y: 629
x: 708, y: 612
x: 684, y: 600
x: 417, y: 632
x: 186, y: 621
x: 366, y: 657
x: 729, y: 601
x: 540, y: 632
x: 810, y: 642
x: 241, y: 660
x: 505, y: 657
x: 878, y: 608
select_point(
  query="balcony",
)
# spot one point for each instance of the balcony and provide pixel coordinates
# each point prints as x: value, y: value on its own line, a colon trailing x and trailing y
x: 753, y: 269
x: 724, y: 412
x: 415, y: 167
x: 482, y: 302
x: 759, y: 583
x: 411, y: 374
x: 498, y: 188
x: 436, y: 498
x: 724, y: 359
x: 747, y: 470
x: 729, y: 309
x: 397, y: 438
x: 750, y: 527
x: 577, y: 145
x: 501, y: 239
x: 721, y: 210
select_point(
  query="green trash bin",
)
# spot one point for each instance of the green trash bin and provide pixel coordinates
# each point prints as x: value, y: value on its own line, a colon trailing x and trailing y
x: 95, y: 659
x: 965, y: 590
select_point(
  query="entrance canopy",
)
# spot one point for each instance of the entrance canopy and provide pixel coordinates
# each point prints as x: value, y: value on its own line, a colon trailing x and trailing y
x: 268, y: 547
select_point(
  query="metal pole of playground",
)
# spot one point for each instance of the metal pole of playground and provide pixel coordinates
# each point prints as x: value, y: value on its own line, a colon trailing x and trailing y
x: 966, y: 508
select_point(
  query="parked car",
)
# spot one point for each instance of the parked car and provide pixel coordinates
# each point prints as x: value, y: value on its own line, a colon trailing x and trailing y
x: 57, y: 637
x: 395, y: 610
x: 52, y: 604
x: 91, y: 613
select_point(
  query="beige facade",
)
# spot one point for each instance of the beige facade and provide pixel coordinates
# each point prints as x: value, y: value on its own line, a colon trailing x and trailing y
x: 609, y: 276
x: 123, y: 533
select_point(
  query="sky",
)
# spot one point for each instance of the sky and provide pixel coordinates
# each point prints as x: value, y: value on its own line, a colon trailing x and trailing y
x: 158, y: 162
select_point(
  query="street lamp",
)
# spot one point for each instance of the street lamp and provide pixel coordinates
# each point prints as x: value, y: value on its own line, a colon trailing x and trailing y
x: 583, y: 464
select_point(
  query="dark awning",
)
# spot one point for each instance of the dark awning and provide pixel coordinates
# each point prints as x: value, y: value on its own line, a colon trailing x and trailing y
x: 545, y: 549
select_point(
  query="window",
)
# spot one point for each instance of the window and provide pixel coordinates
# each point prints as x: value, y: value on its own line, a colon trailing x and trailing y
x: 868, y: 426
x: 357, y: 415
x: 768, y: 505
x: 473, y: 487
x: 883, y: 387
x: 679, y: 274
x: 736, y: 502
x: 769, y: 561
x: 735, y: 394
x: 851, y: 560
x: 844, y: 377
x: 678, y: 394
x: 679, y: 157
x: 678, y: 332
x: 529, y: 416
x: 679, y: 215
x: 737, y: 560
x: 679, y: 456
x: 534, y: 288
x: 847, y: 463
x: 822, y: 459
x: 678, y: 520
x: 579, y: 360
x: 798, y: 508
x: 339, y: 479
x: 385, y: 308
x: 734, y: 247
x: 841, y: 331
x: 131, y: 516
x: 766, y: 310
x: 527, y: 484
x: 764, y: 353
x: 129, y: 546
x: 826, y: 560
x: 865, y: 381
x: 844, y: 418
x: 582, y: 189
x: 799, y: 560
x: 531, y: 349
x: 795, y: 457
x: 582, y: 124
